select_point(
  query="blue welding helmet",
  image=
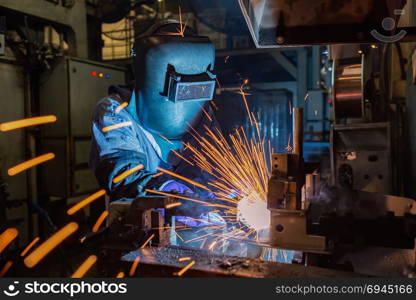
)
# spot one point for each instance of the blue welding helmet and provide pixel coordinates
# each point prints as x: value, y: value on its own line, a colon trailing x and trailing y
x: 174, y: 78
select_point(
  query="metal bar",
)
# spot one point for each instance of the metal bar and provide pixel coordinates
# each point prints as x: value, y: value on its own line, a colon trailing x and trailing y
x: 285, y: 63
x: 298, y: 131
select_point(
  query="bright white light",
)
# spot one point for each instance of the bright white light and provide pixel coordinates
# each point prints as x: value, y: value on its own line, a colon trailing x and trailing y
x: 252, y: 211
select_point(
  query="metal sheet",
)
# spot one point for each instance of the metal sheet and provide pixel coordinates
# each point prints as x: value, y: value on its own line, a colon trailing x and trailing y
x: 164, y: 261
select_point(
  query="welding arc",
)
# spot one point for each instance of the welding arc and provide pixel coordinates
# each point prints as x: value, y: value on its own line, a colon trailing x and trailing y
x: 84, y: 267
x: 123, y: 175
x: 8, y: 126
x: 7, y: 237
x: 80, y: 205
x: 30, y: 163
x: 47, y: 246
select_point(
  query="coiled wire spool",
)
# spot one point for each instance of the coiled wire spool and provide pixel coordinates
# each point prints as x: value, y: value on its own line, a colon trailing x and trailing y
x: 348, y: 89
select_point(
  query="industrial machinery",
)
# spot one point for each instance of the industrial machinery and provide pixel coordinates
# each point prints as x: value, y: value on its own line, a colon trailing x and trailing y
x: 275, y: 23
x: 329, y: 222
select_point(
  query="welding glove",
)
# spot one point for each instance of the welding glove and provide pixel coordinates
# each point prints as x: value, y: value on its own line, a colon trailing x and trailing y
x: 174, y: 186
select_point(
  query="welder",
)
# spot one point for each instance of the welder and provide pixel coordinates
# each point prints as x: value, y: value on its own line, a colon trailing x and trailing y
x: 167, y: 107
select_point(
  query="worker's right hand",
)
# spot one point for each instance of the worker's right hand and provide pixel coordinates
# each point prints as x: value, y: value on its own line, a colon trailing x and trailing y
x: 173, y: 186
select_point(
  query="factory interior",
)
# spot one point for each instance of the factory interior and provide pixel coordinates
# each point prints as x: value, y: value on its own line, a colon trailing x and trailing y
x: 219, y: 138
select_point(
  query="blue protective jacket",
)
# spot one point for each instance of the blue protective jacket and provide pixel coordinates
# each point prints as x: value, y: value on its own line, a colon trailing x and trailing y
x: 116, y: 151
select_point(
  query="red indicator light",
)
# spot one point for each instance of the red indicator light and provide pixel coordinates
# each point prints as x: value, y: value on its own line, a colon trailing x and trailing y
x: 94, y: 73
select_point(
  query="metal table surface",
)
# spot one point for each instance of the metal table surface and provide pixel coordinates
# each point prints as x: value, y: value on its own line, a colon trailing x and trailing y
x: 163, y: 262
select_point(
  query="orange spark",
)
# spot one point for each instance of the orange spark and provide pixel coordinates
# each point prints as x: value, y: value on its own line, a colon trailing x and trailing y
x: 212, y: 245
x: 183, y: 178
x: 6, y: 268
x: 218, y: 82
x: 184, y: 258
x: 47, y: 246
x: 120, y: 275
x: 30, y: 163
x: 186, y: 198
x: 166, y: 139
x: 147, y: 241
x: 8, y: 126
x: 85, y: 202
x: 182, y: 27
x: 182, y: 157
x: 127, y: 173
x: 157, y: 175
x: 121, y: 107
x: 30, y: 246
x: 7, y: 237
x: 134, y: 266
x: 117, y: 126
x: 288, y: 148
x: 172, y: 205
x: 243, y: 95
x: 206, y: 114
x: 186, y: 268
x: 100, y: 221
x: 84, y: 267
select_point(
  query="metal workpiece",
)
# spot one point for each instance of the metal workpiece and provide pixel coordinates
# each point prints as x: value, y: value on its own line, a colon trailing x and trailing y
x: 288, y: 230
x: 164, y: 262
x: 132, y: 220
x: 361, y: 157
x: 298, y: 131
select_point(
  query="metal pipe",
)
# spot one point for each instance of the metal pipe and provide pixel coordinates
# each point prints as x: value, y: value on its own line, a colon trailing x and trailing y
x: 298, y: 131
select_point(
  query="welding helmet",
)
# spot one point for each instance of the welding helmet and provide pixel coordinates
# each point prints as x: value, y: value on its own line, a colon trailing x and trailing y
x: 173, y: 78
